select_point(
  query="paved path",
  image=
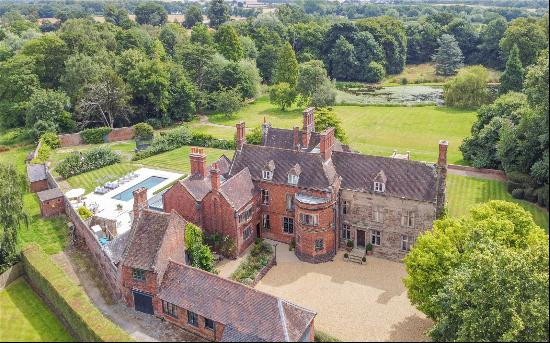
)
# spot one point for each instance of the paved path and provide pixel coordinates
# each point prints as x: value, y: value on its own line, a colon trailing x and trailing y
x: 203, y: 119
x: 353, y: 302
x: 140, y: 326
x: 474, y: 173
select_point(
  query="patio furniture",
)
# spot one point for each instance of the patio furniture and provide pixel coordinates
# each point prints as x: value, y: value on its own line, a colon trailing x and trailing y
x: 112, y: 185
x: 100, y: 190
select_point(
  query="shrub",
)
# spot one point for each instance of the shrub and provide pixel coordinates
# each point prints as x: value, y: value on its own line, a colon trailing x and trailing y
x: 364, y: 259
x: 167, y: 141
x: 520, y: 178
x: 95, y: 135
x: 518, y: 193
x: 260, y: 255
x: 404, y: 81
x: 43, y: 154
x: 346, y: 255
x: 375, y: 72
x: 51, y: 139
x: 542, y: 196
x: 199, y: 138
x: 255, y: 136
x: 324, y: 337
x: 77, y: 163
x: 350, y: 243
x: 143, y: 131
x: 68, y: 299
x: 84, y: 213
x: 200, y: 254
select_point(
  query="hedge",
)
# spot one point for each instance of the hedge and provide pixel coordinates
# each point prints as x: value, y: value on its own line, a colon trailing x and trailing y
x: 207, y: 140
x: 77, y: 163
x: 96, y: 135
x: 167, y: 141
x: 68, y: 299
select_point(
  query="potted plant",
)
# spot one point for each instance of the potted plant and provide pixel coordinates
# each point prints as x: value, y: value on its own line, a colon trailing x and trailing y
x: 346, y: 256
x: 349, y: 245
x: 363, y: 260
x: 369, y: 249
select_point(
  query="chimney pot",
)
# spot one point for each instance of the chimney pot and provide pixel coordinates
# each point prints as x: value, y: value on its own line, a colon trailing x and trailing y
x: 215, y: 176
x: 327, y: 143
x: 197, y: 159
x: 140, y: 202
x: 241, y: 135
x: 442, y: 160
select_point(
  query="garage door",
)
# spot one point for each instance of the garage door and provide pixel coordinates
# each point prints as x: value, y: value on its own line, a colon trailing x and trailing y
x: 143, y: 302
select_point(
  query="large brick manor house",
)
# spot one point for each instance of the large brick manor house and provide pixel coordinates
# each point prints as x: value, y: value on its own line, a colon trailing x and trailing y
x: 307, y: 188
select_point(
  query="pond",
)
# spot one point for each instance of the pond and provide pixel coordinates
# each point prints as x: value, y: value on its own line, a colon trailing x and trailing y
x: 396, y: 95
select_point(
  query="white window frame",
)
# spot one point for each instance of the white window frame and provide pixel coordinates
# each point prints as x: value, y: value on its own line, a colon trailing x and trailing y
x: 293, y: 179
x: 265, y: 197
x: 346, y: 232
x: 266, y: 224
x: 407, y: 218
x: 375, y: 237
x: 378, y: 214
x: 245, y: 215
x: 407, y: 242
x: 267, y: 175
x: 309, y: 219
x: 379, y: 187
x: 247, y: 232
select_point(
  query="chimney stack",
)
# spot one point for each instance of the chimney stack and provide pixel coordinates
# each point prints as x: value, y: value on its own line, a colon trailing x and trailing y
x: 197, y: 157
x: 327, y: 143
x: 309, y: 125
x: 140, y: 202
x: 442, y: 160
x: 215, y: 176
x: 241, y: 135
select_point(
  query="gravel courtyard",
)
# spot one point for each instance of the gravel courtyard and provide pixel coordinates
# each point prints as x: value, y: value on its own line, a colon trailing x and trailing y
x: 353, y: 302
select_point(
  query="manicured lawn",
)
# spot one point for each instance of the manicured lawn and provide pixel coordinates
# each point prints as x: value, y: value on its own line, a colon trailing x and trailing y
x: 25, y: 318
x: 463, y: 192
x: 90, y: 180
x: 377, y: 130
x: 178, y: 160
x: 125, y: 149
x: 217, y: 131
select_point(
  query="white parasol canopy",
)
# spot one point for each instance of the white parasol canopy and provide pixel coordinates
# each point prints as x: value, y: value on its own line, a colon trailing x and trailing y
x: 75, y: 193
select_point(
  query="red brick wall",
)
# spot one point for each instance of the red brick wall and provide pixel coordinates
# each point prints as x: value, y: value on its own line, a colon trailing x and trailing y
x: 201, y: 331
x: 53, y: 207
x: 173, y: 245
x: 121, y: 134
x: 307, y: 235
x: 70, y: 139
x: 39, y: 186
x: 178, y: 198
x: 149, y: 286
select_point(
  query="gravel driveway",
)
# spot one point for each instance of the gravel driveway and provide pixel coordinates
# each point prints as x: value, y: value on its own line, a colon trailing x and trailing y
x: 353, y: 302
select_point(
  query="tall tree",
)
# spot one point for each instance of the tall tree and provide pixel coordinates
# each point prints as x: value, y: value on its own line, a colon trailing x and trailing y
x: 286, y: 67
x: 343, y: 61
x: 218, y: 13
x: 466, y: 37
x: 193, y: 16
x: 117, y: 16
x: 151, y: 13
x: 314, y: 84
x: 228, y: 43
x: 325, y: 118
x: 201, y: 35
x: 489, y: 49
x: 11, y: 213
x: 448, y: 58
x: 48, y: 108
x: 512, y: 78
x: 530, y: 37
x: 49, y: 53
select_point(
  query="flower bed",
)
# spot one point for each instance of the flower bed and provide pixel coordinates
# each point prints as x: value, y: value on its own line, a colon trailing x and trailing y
x: 255, y: 266
x: 77, y: 163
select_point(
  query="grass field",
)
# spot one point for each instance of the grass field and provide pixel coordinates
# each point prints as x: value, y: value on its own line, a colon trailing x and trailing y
x: 376, y: 130
x: 465, y: 192
x: 25, y: 318
x: 90, y: 180
x: 178, y: 160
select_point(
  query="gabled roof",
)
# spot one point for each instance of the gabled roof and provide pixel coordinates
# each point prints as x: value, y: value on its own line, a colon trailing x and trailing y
x: 198, y: 186
x: 49, y: 194
x: 315, y: 174
x: 248, y: 314
x: 284, y: 139
x: 408, y: 179
x: 145, y: 239
x: 238, y: 190
x: 36, y: 172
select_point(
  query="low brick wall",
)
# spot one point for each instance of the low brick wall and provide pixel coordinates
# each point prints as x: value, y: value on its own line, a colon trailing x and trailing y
x: 264, y: 271
x: 12, y: 274
x: 118, y: 134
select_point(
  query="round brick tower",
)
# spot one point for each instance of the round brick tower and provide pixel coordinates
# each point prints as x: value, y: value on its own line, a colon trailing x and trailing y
x: 314, y: 226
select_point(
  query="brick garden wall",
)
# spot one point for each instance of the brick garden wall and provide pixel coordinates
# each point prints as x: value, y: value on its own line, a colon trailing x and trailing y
x: 118, y: 134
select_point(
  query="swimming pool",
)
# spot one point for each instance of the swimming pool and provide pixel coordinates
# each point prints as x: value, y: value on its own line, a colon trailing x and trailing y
x: 148, y: 183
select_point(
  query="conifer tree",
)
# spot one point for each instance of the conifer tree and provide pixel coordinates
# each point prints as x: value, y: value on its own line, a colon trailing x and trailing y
x: 286, y: 67
x: 448, y: 57
x: 512, y: 78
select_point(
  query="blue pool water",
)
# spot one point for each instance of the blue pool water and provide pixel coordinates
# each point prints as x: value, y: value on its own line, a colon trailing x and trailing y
x: 147, y: 183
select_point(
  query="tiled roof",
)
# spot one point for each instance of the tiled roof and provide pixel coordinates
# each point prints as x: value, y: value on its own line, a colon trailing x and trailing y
x: 115, y: 248
x: 315, y: 173
x: 145, y: 239
x: 197, y: 186
x: 239, y: 189
x: 404, y: 178
x: 50, y: 194
x: 284, y: 139
x: 248, y: 314
x: 36, y: 172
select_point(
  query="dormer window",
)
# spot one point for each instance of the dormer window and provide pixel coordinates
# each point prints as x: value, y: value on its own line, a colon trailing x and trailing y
x: 380, y: 182
x: 293, y: 179
x: 379, y: 187
x: 267, y: 175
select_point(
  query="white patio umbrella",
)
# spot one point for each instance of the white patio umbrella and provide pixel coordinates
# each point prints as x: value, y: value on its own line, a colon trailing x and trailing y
x: 75, y: 193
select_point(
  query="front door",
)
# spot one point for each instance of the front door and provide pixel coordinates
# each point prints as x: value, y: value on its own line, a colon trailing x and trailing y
x: 361, y: 239
x: 258, y: 231
x: 143, y: 302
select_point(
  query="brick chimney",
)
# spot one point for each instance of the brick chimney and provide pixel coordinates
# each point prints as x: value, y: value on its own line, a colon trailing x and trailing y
x: 215, y: 176
x: 442, y: 160
x: 140, y: 202
x: 309, y: 125
x: 327, y: 143
x: 441, y: 179
x: 296, y: 140
x: 241, y: 135
x: 197, y: 157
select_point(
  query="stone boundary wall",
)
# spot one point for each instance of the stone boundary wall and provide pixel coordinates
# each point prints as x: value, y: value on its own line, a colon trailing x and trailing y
x: 495, y: 172
x: 12, y: 274
x: 118, y: 134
